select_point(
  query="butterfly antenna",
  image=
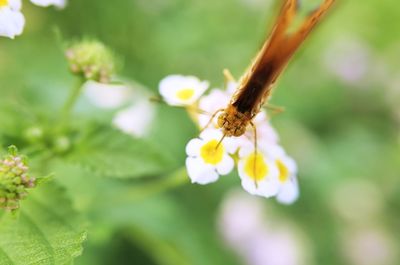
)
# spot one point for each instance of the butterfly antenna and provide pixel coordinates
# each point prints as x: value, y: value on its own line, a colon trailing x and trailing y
x: 211, y: 119
x: 160, y: 100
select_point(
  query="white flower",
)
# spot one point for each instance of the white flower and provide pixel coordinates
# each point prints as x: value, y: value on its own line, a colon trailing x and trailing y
x: 11, y: 19
x: 107, y: 96
x: 45, y: 3
x: 258, y: 172
x: 289, y: 189
x: 206, y: 160
x: 178, y: 90
x: 136, y: 119
x: 266, y: 134
x: 216, y: 100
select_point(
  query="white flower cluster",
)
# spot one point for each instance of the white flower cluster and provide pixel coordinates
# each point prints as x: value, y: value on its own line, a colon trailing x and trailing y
x: 135, y: 112
x: 267, y: 171
x: 12, y: 20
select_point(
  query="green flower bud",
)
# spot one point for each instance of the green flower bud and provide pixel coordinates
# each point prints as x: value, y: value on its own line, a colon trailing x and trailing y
x: 34, y: 134
x: 14, y: 180
x: 91, y: 60
x: 62, y: 144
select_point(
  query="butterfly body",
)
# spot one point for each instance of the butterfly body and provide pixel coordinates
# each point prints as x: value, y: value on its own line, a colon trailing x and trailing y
x: 233, y: 122
x: 256, y: 84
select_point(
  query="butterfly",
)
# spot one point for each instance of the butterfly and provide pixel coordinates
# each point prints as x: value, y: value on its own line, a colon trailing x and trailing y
x: 256, y: 84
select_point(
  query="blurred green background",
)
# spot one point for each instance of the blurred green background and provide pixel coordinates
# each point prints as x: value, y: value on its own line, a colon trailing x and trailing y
x: 342, y: 98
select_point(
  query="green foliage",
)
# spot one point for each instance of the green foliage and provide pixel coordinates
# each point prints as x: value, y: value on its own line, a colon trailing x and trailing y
x: 108, y: 152
x: 45, y: 231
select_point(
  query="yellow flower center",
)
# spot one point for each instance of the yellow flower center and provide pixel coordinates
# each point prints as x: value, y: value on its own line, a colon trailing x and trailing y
x: 211, y: 154
x: 283, y: 171
x: 255, y: 167
x: 3, y: 3
x: 184, y: 94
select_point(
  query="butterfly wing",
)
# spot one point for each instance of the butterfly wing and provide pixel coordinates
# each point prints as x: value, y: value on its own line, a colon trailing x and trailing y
x: 256, y: 84
x: 296, y: 39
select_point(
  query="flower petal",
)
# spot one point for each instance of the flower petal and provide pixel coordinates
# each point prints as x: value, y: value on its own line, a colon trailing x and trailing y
x: 193, y: 147
x: 107, y: 96
x: 199, y: 172
x: 215, y: 100
x: 135, y: 120
x: 211, y: 134
x: 289, y: 192
x: 226, y: 166
x: 15, y: 4
x: 45, y: 3
x: 11, y: 22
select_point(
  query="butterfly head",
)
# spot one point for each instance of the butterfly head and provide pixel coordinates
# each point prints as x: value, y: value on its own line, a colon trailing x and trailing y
x: 233, y: 122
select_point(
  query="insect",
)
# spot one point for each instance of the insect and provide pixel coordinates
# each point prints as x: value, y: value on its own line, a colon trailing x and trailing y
x: 256, y: 84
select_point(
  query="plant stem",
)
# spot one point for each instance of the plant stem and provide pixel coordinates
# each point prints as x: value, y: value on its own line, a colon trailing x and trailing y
x: 73, y: 97
x: 136, y: 193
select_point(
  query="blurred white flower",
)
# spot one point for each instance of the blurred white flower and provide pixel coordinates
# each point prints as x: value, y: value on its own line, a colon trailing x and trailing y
x: 137, y: 116
x: 11, y: 19
x: 241, y: 216
x: 358, y: 201
x: 257, y: 236
x: 178, y: 90
x: 368, y: 246
x: 206, y: 159
x: 135, y: 120
x: 258, y: 172
x: 274, y: 247
x: 45, y: 3
x: 107, y: 96
x: 349, y: 59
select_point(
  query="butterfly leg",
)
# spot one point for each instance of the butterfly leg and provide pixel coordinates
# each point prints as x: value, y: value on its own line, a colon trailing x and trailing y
x: 275, y: 109
x: 255, y: 153
x: 228, y: 76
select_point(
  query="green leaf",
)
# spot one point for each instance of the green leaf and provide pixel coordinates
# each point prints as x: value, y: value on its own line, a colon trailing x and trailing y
x: 111, y: 153
x: 165, y: 229
x: 45, y: 231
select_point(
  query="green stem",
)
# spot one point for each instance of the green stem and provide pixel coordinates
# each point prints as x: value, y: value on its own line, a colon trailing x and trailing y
x: 70, y: 103
x: 136, y: 193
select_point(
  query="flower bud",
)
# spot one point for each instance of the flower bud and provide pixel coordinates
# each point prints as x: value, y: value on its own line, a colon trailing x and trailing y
x: 14, y: 179
x: 91, y: 60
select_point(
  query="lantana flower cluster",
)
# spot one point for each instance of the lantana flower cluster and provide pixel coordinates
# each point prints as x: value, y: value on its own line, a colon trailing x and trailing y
x: 14, y: 180
x: 264, y: 169
x: 12, y: 21
x: 92, y: 60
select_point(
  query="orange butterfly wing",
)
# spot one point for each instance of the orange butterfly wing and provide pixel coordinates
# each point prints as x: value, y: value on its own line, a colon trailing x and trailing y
x: 256, y: 84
